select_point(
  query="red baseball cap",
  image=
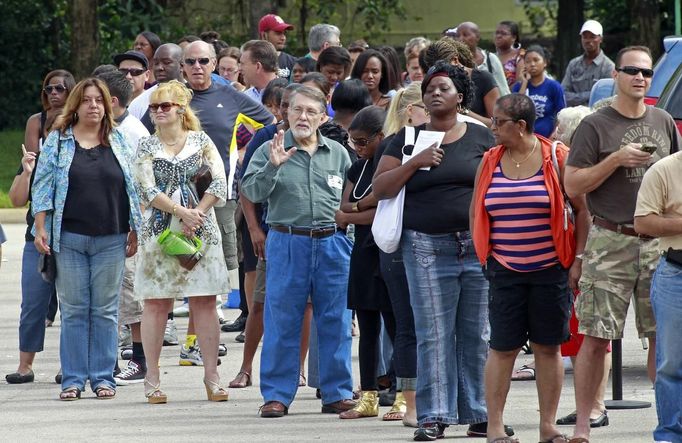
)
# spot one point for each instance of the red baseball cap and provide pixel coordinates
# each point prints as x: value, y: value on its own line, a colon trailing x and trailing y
x: 272, y: 22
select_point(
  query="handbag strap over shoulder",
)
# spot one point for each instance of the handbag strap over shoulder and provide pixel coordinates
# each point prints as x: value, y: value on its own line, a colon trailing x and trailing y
x: 409, y: 140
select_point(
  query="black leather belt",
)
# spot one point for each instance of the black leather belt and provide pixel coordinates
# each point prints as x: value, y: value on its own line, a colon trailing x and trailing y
x: 322, y: 232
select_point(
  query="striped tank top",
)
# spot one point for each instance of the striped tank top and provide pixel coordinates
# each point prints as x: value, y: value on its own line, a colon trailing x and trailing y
x: 520, y: 232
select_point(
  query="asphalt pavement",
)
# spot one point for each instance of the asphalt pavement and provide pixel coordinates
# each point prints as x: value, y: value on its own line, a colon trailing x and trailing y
x: 32, y: 412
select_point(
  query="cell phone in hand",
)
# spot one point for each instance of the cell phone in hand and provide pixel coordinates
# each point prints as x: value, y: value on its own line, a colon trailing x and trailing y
x: 649, y: 148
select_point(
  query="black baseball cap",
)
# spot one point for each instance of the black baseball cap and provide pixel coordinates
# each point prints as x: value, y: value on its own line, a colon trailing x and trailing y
x: 132, y: 55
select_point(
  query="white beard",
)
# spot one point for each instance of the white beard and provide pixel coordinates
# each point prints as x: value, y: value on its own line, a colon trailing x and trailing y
x: 301, y: 134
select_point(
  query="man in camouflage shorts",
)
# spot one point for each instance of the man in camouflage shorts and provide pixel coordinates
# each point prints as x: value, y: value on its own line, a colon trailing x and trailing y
x: 610, y: 152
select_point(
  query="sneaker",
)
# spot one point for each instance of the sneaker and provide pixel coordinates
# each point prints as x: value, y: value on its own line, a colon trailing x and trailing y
x: 429, y: 432
x: 240, y: 338
x: 126, y: 353
x: 170, y: 336
x: 124, y: 337
x: 192, y: 356
x: 182, y: 310
x: 222, y: 350
x: 133, y: 373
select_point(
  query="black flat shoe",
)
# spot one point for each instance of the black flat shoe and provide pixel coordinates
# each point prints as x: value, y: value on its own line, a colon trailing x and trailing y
x: 16, y: 378
x: 602, y: 420
x: 567, y: 420
x: 481, y: 430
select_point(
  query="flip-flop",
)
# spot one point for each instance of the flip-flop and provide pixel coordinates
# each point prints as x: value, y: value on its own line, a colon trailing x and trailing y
x: 525, y: 372
x: 562, y: 439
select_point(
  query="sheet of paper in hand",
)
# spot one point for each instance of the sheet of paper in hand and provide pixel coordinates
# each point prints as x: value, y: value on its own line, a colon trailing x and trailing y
x: 426, y: 139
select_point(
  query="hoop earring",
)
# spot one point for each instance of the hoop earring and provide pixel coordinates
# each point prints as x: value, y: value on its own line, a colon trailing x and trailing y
x: 516, y: 46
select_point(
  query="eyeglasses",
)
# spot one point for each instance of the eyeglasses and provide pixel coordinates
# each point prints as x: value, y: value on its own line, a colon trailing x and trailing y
x: 634, y: 70
x: 59, y: 89
x: 229, y: 71
x: 500, y: 121
x: 297, y: 112
x: 363, y: 141
x: 165, y: 106
x: 203, y: 61
x: 135, y: 72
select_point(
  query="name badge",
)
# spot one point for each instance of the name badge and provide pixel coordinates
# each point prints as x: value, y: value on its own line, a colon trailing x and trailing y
x: 334, y: 181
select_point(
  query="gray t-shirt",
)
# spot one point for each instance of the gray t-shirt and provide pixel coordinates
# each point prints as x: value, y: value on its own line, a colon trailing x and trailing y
x: 217, y: 108
x: 603, y: 133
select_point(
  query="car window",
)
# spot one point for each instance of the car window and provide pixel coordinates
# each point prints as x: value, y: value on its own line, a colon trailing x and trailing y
x: 671, y: 98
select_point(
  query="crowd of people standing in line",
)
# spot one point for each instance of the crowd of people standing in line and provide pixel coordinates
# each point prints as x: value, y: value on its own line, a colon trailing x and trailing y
x: 153, y: 178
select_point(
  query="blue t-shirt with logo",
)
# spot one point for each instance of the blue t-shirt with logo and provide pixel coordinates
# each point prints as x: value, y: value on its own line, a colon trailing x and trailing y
x: 549, y: 99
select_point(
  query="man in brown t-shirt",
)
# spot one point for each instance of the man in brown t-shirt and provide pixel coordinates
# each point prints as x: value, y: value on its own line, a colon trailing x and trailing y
x: 609, y: 155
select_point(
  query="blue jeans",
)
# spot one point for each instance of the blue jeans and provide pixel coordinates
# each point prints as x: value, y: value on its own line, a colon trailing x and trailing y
x: 89, y: 277
x: 36, y: 294
x: 667, y: 306
x: 449, y: 297
x: 299, y: 266
x: 405, y: 342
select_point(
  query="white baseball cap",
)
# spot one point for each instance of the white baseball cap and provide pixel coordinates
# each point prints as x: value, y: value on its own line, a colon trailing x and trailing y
x: 593, y: 26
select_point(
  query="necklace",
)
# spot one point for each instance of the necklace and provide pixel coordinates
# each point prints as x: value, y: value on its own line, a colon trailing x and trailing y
x: 355, y: 196
x: 167, y: 143
x: 518, y: 164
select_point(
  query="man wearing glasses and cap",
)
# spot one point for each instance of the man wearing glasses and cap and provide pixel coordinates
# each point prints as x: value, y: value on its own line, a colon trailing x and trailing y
x: 584, y: 71
x: 135, y: 66
x: 273, y: 29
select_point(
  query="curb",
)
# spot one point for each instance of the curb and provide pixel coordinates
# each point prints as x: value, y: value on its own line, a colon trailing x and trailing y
x: 13, y: 215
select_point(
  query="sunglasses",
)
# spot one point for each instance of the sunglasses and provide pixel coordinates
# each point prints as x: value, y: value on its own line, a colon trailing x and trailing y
x: 165, y: 106
x: 58, y: 88
x: 634, y: 70
x: 363, y: 141
x: 135, y: 72
x: 202, y: 61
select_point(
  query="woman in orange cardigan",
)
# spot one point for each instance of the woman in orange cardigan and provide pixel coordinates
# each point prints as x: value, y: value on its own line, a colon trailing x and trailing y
x: 524, y: 237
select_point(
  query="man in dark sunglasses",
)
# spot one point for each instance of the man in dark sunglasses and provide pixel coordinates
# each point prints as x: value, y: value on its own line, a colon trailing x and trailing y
x: 135, y: 66
x: 610, y: 152
x: 584, y: 71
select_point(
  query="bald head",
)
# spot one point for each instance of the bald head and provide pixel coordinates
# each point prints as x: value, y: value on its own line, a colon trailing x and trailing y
x: 167, y: 63
x: 200, y: 46
x: 199, y: 63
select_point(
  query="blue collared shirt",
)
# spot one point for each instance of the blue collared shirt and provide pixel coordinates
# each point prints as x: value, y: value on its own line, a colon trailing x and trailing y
x: 52, y: 179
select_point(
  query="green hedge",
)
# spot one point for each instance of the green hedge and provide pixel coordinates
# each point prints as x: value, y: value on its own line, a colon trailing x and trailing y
x: 10, y: 158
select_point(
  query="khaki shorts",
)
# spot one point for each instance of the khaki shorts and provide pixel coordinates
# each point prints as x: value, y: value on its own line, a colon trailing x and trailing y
x: 228, y: 231
x: 259, y: 287
x: 616, y: 268
x: 129, y: 309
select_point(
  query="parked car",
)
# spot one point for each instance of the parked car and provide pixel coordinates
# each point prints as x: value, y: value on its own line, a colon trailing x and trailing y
x: 665, y: 67
x: 671, y: 97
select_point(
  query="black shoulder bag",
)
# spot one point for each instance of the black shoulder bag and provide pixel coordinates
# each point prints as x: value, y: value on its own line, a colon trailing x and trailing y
x: 47, y: 266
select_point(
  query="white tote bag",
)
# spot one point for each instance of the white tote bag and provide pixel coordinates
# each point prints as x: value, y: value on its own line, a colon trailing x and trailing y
x: 387, y: 226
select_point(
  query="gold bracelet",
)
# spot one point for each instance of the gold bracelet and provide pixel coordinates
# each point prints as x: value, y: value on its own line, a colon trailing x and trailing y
x: 175, y: 207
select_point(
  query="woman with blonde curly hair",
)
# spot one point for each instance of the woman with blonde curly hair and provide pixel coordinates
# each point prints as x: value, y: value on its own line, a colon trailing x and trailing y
x: 87, y: 214
x: 166, y: 163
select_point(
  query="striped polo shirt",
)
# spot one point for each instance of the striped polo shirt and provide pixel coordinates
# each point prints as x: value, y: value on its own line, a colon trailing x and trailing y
x: 520, y: 232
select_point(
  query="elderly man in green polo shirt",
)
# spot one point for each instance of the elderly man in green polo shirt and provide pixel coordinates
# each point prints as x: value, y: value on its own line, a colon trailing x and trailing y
x: 301, y: 174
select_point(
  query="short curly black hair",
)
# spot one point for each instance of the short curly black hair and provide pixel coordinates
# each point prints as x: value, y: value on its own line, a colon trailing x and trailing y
x: 459, y: 78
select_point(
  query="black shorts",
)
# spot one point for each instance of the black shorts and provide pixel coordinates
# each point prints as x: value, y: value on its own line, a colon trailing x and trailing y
x: 523, y: 306
x: 250, y: 259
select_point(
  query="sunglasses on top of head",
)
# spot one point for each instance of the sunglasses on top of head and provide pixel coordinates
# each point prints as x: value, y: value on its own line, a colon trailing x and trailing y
x: 202, y: 61
x: 634, y: 70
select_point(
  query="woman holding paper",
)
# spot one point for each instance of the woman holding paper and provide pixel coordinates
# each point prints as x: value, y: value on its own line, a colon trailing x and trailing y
x: 448, y: 292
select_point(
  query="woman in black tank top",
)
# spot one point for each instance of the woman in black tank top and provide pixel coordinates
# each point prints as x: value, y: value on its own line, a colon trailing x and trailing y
x: 56, y: 88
